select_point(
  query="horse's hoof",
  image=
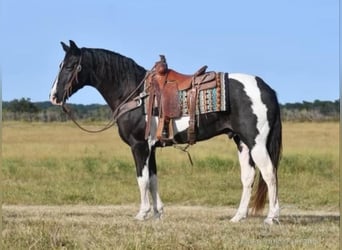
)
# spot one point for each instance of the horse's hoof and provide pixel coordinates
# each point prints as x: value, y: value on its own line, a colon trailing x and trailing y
x: 141, y: 216
x: 237, y: 218
x: 158, y: 215
x: 271, y: 221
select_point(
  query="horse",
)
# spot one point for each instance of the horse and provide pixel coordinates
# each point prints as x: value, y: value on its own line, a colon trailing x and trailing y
x: 252, y: 120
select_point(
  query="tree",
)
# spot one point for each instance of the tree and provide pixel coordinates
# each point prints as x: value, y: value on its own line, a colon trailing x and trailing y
x: 24, y: 105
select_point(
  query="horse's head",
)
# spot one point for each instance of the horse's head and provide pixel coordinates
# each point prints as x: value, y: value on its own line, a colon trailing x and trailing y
x: 70, y: 77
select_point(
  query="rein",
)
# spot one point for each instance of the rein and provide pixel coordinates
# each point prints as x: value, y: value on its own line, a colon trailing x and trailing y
x: 123, y: 108
x: 74, y: 77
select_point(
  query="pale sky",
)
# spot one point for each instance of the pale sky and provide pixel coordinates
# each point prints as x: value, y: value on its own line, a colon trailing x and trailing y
x: 293, y: 45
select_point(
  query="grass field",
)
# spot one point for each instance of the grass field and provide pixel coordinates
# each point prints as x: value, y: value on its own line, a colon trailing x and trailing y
x: 63, y: 188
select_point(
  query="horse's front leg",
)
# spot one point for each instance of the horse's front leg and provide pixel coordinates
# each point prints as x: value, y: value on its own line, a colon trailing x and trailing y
x: 157, y: 203
x: 144, y: 156
x: 141, y: 154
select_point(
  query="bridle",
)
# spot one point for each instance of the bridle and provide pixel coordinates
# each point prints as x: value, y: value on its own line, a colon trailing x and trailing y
x: 125, y: 106
x: 74, y: 77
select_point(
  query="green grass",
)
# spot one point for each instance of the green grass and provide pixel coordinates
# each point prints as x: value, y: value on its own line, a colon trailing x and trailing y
x: 56, y: 164
x: 308, y: 181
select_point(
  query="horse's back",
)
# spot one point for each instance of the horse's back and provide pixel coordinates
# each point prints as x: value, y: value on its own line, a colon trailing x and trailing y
x: 253, y: 107
x: 252, y: 88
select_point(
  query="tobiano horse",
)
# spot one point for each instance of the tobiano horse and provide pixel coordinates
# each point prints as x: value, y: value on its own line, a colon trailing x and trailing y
x: 252, y: 120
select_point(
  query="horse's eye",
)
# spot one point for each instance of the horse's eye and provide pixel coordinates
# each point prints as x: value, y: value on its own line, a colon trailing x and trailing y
x: 69, y: 67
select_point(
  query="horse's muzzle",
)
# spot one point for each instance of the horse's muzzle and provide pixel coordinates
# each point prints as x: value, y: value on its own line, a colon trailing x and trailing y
x: 53, y: 99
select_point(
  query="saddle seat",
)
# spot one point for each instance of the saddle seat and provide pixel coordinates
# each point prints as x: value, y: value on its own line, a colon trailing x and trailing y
x: 184, y: 81
x: 163, y: 86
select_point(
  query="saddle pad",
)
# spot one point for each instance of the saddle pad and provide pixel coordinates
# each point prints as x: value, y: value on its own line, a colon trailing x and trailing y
x: 209, y: 100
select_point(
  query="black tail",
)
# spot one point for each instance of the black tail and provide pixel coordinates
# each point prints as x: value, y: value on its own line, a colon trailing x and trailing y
x: 274, y: 142
x: 274, y: 148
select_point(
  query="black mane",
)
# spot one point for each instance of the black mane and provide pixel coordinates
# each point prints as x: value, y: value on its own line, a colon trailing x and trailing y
x: 256, y: 131
x: 110, y: 72
x: 112, y: 65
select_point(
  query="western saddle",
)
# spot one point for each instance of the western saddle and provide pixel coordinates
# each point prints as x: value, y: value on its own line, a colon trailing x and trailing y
x: 163, y: 85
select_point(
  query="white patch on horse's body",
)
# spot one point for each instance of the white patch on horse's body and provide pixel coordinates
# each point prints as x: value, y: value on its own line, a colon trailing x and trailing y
x: 259, y: 108
x: 179, y: 125
x: 147, y: 182
x: 259, y: 151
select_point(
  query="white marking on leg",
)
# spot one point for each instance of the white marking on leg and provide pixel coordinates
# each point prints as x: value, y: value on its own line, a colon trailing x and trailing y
x: 264, y: 163
x: 153, y: 180
x: 143, y: 182
x: 247, y: 178
x: 259, y: 152
x: 157, y: 203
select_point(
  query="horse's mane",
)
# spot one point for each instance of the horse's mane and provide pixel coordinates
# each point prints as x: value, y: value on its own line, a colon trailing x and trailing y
x: 112, y: 65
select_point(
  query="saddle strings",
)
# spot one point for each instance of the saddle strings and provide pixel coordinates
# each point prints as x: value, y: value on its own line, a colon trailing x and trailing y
x: 185, y: 150
x: 116, y: 113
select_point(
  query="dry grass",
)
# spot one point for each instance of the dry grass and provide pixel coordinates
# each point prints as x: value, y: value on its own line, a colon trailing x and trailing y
x: 183, y: 227
x: 56, y: 164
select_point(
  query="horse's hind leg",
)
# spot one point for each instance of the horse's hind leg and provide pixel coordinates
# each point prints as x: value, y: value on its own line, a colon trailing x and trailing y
x: 247, y: 179
x: 263, y: 161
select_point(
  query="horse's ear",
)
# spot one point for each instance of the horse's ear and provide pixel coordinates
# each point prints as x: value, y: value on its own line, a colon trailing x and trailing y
x: 65, y: 47
x: 73, y: 44
x: 73, y: 47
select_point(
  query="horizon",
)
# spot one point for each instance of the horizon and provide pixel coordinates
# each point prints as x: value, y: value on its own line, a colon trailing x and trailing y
x: 292, y: 45
x: 105, y: 104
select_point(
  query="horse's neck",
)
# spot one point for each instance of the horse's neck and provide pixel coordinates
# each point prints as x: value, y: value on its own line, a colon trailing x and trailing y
x: 116, y: 81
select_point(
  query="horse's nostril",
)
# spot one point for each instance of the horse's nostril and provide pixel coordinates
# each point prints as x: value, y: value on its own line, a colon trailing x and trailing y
x: 53, y: 97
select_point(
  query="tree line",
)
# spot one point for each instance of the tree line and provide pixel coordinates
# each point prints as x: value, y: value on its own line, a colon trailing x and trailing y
x: 25, y: 110
x: 311, y: 111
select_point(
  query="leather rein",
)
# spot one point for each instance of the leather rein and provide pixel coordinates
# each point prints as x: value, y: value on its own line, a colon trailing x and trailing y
x: 125, y: 106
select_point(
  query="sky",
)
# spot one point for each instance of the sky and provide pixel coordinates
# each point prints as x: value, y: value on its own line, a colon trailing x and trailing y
x: 293, y: 45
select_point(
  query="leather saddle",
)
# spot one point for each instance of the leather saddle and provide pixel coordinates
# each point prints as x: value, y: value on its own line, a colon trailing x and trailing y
x: 163, y: 86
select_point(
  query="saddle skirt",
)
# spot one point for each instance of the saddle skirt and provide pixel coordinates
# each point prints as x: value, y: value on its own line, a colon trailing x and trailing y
x: 172, y: 95
x: 211, y: 98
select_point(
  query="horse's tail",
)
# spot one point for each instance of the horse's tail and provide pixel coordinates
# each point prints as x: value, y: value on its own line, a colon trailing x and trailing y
x: 274, y: 148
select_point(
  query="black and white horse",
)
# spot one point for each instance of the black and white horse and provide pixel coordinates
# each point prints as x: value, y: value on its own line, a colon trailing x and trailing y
x: 253, y: 121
